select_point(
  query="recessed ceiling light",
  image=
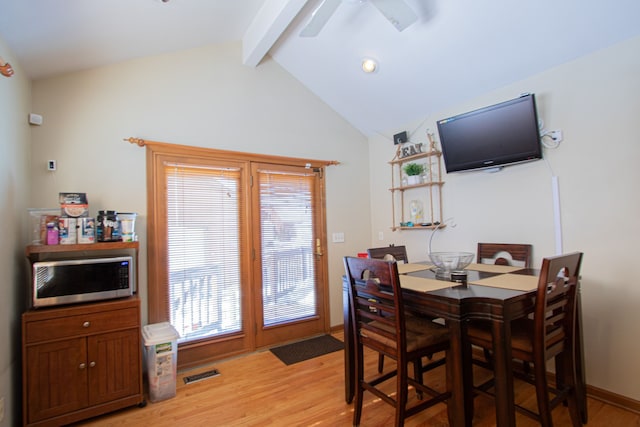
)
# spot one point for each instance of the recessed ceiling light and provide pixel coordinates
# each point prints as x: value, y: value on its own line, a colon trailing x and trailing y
x: 369, y: 65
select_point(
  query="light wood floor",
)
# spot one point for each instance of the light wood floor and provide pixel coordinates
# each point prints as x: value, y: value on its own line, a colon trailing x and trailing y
x: 259, y: 390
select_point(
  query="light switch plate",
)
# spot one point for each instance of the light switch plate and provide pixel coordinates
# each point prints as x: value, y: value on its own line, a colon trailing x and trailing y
x: 338, y: 237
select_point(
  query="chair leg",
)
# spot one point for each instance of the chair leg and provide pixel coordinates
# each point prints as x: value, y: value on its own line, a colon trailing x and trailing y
x: 357, y: 404
x: 560, y: 375
x: 542, y: 393
x: 567, y: 378
x: 401, y: 394
x: 380, y: 362
x: 359, y: 390
x: 488, y: 357
x: 417, y: 376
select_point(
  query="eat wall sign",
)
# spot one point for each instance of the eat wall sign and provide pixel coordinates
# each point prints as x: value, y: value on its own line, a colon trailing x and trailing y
x: 411, y: 150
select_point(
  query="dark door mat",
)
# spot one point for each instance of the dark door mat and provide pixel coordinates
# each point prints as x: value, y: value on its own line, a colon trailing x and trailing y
x: 307, y: 349
x: 201, y: 376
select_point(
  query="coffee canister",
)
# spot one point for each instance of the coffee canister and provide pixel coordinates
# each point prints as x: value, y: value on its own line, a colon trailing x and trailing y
x: 127, y: 226
x: 459, y: 277
x: 67, y: 231
x: 86, y: 230
x: 108, y: 227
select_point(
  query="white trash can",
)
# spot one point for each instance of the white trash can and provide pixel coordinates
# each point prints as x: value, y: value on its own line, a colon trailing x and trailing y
x: 161, y: 346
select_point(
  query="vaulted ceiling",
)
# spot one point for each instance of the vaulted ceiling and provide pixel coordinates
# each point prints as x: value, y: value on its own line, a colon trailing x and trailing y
x: 457, y: 49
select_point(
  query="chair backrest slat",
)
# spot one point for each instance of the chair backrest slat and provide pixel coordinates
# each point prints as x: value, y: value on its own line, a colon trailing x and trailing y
x: 505, y: 254
x: 398, y: 253
x: 555, y: 309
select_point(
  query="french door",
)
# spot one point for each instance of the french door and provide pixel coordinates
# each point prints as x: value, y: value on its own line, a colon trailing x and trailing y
x: 289, y: 253
x: 235, y: 251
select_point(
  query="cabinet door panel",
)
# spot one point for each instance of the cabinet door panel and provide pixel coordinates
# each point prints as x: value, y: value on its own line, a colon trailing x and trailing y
x: 56, y: 379
x: 114, y: 365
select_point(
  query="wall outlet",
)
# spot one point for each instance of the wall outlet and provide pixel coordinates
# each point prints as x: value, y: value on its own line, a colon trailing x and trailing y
x: 556, y: 135
x: 380, y: 235
x: 52, y: 165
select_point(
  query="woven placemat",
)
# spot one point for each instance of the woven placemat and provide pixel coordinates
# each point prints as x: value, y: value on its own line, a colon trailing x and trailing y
x: 492, y: 268
x: 422, y: 284
x: 410, y: 268
x: 516, y: 282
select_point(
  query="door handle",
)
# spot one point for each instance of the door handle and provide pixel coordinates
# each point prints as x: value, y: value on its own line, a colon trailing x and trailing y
x: 318, y: 248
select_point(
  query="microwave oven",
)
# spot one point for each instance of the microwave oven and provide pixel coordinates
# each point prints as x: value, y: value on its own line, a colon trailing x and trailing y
x: 71, y: 281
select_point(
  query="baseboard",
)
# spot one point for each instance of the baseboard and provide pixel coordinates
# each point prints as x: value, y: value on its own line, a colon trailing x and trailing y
x: 337, y: 329
x: 614, y: 399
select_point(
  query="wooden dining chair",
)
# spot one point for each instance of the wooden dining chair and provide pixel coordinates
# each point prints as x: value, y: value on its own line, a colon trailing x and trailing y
x: 378, y: 322
x: 548, y: 334
x: 504, y: 254
x: 391, y: 252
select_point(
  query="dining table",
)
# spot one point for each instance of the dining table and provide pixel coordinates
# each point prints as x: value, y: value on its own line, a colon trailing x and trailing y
x: 495, y: 293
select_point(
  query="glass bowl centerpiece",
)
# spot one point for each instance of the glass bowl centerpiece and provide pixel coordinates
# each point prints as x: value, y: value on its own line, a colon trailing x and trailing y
x: 446, y: 262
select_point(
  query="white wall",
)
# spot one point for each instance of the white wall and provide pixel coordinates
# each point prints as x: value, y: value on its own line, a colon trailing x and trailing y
x: 15, y: 100
x: 200, y: 97
x: 595, y: 101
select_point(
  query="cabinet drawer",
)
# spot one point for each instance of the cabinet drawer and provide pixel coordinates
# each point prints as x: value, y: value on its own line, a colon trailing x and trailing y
x: 82, y: 324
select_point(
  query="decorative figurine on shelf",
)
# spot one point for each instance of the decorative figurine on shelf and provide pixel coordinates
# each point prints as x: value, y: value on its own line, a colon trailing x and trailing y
x: 415, y: 209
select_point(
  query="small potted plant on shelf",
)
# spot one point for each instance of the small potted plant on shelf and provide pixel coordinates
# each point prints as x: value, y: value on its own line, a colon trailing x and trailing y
x: 414, y: 173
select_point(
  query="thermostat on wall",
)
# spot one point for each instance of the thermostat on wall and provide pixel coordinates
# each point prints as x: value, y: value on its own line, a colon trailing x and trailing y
x: 35, y: 119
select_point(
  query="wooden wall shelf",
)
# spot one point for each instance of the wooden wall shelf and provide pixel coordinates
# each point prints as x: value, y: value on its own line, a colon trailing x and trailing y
x: 427, y: 193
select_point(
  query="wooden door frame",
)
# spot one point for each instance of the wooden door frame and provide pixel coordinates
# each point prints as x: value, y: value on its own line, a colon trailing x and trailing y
x: 157, y: 257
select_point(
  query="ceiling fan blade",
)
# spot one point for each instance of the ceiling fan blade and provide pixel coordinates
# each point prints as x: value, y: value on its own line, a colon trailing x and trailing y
x: 397, y: 12
x: 319, y: 17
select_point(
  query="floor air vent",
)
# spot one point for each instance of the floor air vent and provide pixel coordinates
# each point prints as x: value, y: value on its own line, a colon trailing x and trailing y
x: 201, y: 376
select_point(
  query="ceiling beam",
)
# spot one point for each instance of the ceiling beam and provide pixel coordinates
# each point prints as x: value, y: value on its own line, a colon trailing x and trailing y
x: 271, y: 21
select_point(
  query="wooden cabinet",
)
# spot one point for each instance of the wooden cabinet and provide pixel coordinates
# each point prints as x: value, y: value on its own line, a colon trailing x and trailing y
x: 81, y: 361
x: 416, y: 205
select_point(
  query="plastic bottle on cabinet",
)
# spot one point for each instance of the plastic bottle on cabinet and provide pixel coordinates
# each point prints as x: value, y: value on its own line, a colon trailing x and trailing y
x: 52, y: 233
x: 108, y: 227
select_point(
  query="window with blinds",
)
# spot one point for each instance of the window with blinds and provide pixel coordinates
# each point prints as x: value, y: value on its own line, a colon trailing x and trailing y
x: 204, y: 217
x: 287, y: 246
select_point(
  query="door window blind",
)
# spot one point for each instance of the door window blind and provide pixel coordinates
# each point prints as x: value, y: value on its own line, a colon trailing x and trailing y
x: 288, y: 269
x: 204, y: 217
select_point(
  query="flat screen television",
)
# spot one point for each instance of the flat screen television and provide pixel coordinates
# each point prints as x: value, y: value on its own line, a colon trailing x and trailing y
x: 491, y: 137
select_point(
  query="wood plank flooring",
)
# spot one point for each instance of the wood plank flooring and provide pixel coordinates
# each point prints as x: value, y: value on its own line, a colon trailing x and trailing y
x: 259, y: 390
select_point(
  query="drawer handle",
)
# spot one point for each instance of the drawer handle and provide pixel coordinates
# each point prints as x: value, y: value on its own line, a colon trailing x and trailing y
x: 92, y: 364
x: 86, y: 324
x: 82, y: 366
